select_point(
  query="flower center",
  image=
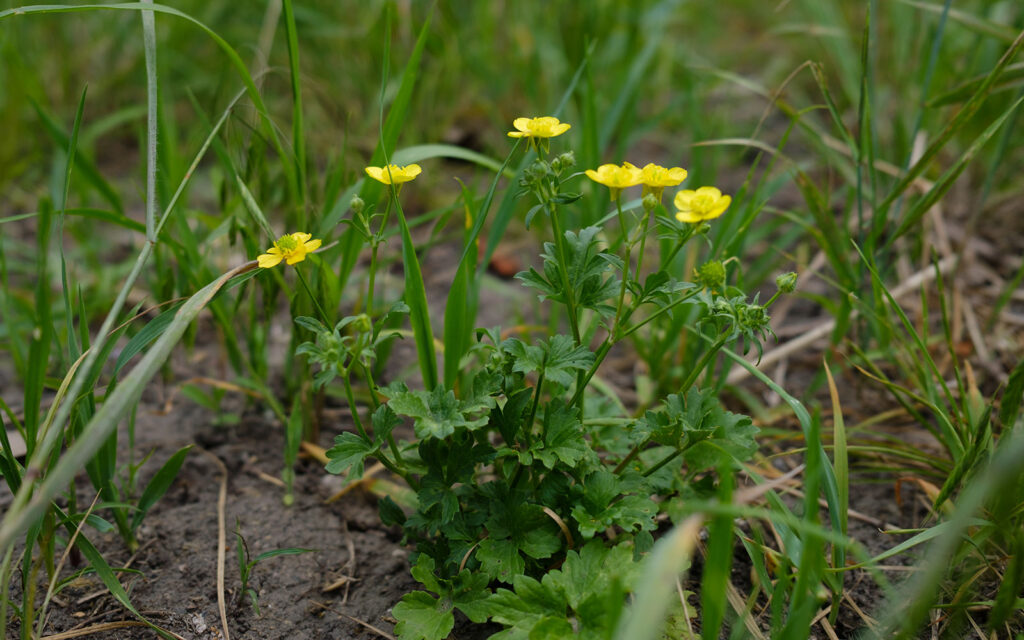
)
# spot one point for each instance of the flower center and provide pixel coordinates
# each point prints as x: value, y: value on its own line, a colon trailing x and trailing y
x: 287, y: 243
x: 703, y: 203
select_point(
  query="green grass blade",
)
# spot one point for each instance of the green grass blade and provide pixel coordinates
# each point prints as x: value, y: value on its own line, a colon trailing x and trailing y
x: 159, y: 485
x: 421, y: 152
x: 85, y: 167
x: 804, y: 600
x: 416, y: 298
x: 103, y: 215
x: 9, y: 466
x: 351, y: 241
x: 103, y: 571
x: 460, y: 307
x: 1012, y: 77
x: 907, y: 611
x: 841, y: 463
x: 460, y: 315
x: 978, y: 25
x: 69, y: 315
x: 955, y: 124
x: 148, y: 334
x: 828, y: 477
x: 236, y: 61
x: 943, y: 184
x: 152, y: 119
x: 714, y: 583
x: 671, y: 555
x: 42, y: 333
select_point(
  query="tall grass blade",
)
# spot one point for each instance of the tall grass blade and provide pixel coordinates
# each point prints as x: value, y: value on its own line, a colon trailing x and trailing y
x: 460, y: 307
x: 457, y: 312
x: 908, y: 611
x: 236, y: 61
x: 415, y: 290
x: 828, y: 476
x: 714, y: 582
x: 85, y: 166
x: 841, y: 463
x: 69, y: 315
x: 26, y: 509
x: 298, y: 135
x: 42, y: 332
x: 955, y: 123
x: 351, y: 241
x: 942, y: 185
x: 671, y: 555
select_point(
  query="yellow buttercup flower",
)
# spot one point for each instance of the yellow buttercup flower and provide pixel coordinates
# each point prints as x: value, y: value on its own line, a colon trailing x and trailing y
x: 705, y: 203
x: 614, y: 177
x: 394, y: 174
x: 543, y: 127
x: 656, y: 177
x: 291, y: 248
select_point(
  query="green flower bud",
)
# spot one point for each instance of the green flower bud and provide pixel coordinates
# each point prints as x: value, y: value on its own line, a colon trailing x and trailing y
x: 563, y: 161
x: 786, y: 282
x: 362, y: 323
x: 357, y: 205
x: 651, y: 201
x: 711, y: 274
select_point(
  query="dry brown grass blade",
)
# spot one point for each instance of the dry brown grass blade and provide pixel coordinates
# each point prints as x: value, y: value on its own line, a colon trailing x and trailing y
x: 222, y: 499
x: 60, y: 565
x: 210, y: 382
x: 99, y: 628
x: 822, y: 330
x: 362, y: 482
x: 315, y: 451
x: 366, y: 625
x: 561, y: 525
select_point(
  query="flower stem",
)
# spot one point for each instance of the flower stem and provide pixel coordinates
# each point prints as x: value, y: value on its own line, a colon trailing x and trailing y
x: 625, y: 265
x: 661, y: 463
x: 704, y: 360
x: 570, y: 297
x: 352, y: 406
x: 682, y: 242
x: 528, y: 425
x: 375, y: 242
x: 316, y: 303
x: 643, y: 243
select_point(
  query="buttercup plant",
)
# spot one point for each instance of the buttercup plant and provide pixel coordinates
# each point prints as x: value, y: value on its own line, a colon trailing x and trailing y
x: 525, y: 468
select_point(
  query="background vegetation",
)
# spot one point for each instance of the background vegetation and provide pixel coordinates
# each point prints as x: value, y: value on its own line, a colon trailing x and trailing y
x: 872, y: 147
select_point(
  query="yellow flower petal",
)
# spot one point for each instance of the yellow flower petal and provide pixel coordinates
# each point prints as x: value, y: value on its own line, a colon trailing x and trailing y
x: 268, y: 260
